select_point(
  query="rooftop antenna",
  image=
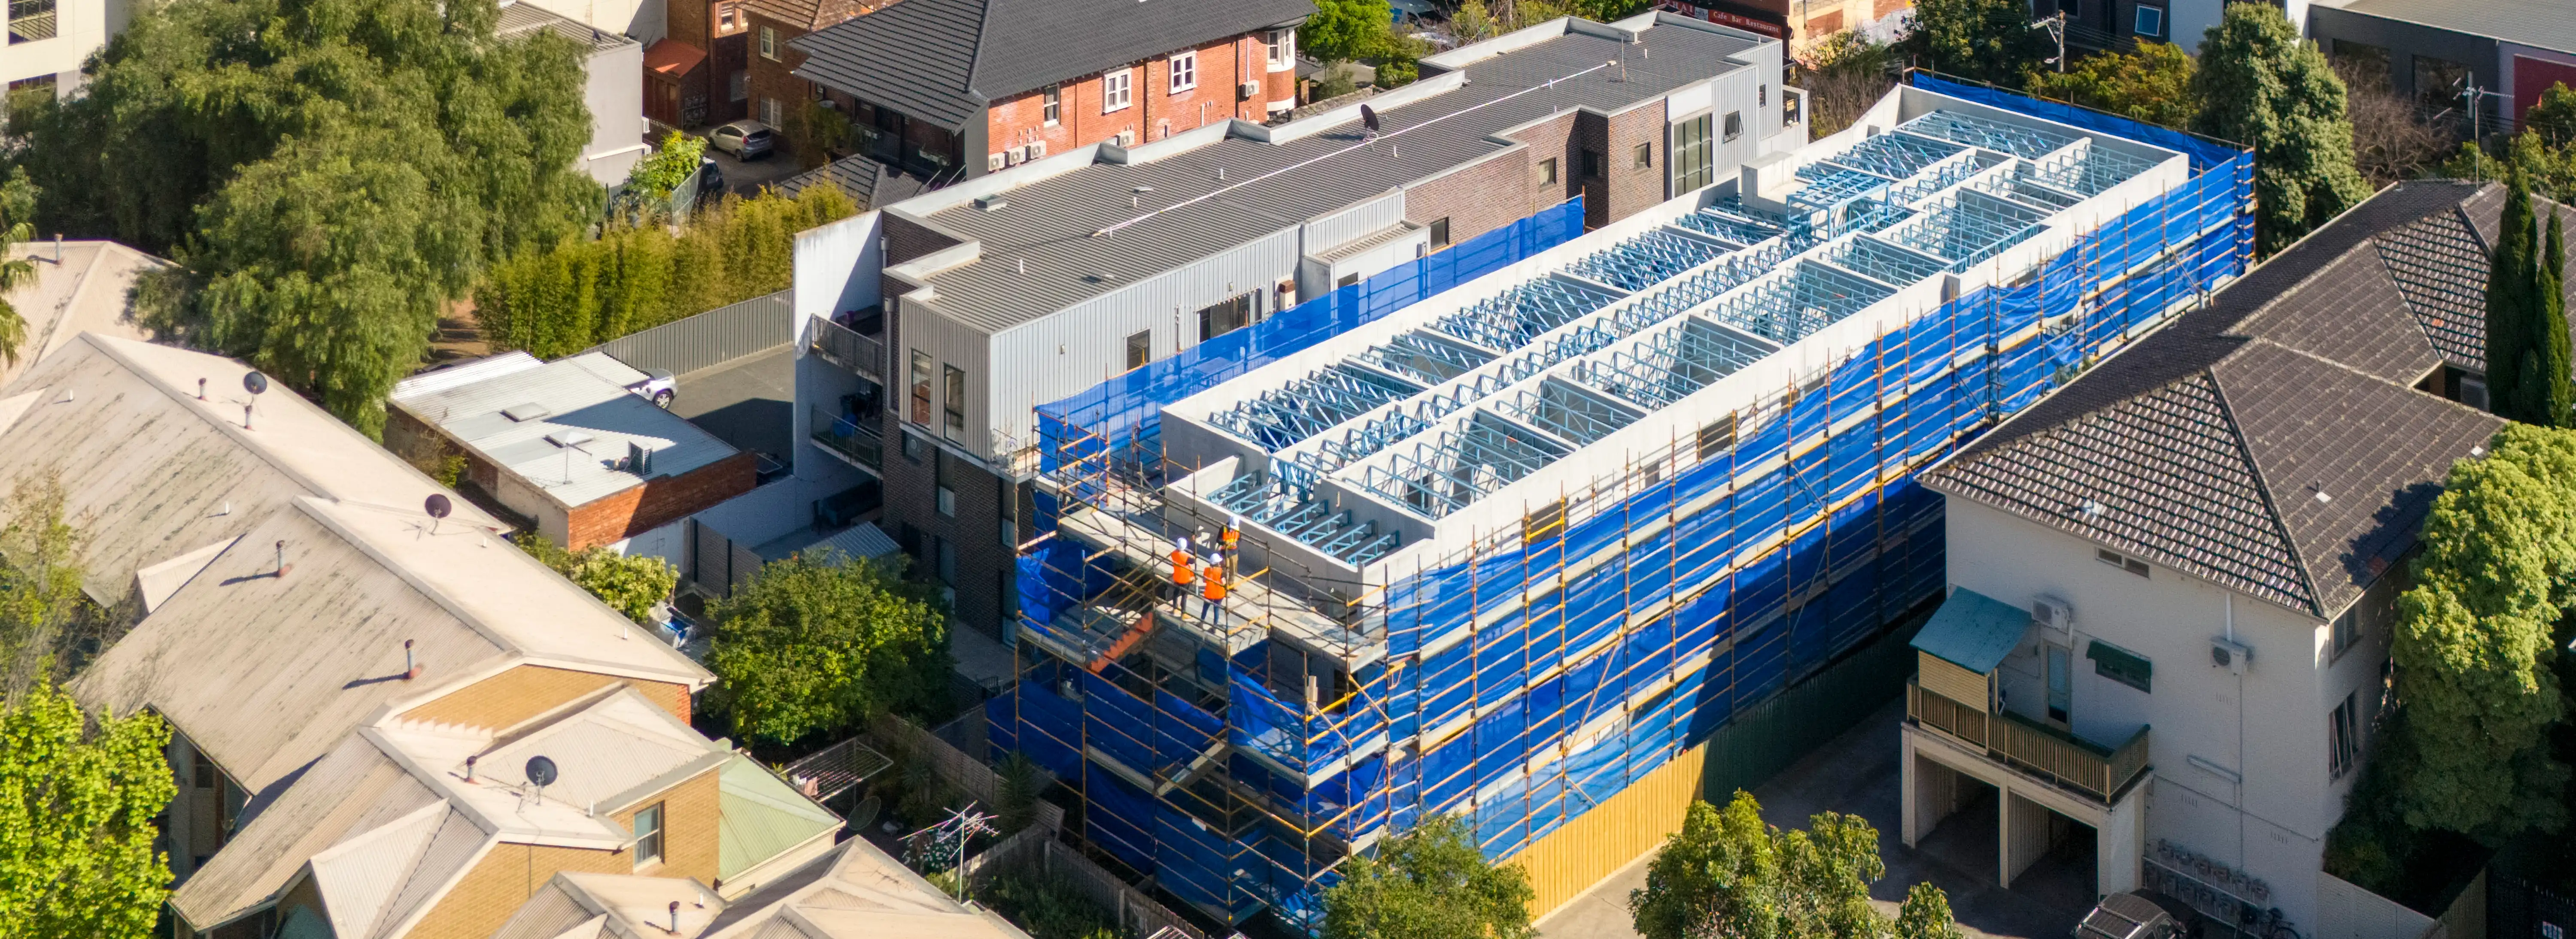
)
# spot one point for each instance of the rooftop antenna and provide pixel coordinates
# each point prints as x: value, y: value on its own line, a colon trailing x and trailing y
x: 437, y: 506
x: 541, y: 773
x: 255, y: 383
x: 1136, y: 196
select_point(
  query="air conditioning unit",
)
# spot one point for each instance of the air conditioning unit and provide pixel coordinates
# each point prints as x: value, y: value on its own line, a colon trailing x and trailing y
x: 995, y: 162
x: 1247, y: 90
x: 1033, y: 151
x: 2229, y: 655
x: 2053, y: 615
x: 1127, y: 138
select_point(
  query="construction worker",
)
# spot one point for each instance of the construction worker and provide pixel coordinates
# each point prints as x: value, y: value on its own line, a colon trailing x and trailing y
x: 1212, y: 591
x: 1233, y: 532
x: 1182, y: 574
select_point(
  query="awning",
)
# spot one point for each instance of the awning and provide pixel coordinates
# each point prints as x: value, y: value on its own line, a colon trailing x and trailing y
x: 1973, y: 631
x: 671, y: 58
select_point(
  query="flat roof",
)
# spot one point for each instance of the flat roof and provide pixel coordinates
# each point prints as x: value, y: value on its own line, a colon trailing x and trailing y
x: 2548, y: 24
x: 561, y: 426
x: 1049, y: 222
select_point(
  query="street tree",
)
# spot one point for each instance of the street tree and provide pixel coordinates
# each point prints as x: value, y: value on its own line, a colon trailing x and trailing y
x: 1344, y: 30
x: 78, y: 794
x: 1429, y: 883
x: 820, y: 643
x: 2153, y: 85
x: 1988, y: 40
x: 1925, y: 914
x: 1729, y: 874
x: 2260, y: 85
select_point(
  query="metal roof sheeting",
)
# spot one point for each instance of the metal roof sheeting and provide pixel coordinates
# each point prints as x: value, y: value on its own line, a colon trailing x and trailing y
x: 573, y: 444
x: 762, y: 817
x: 1973, y: 631
x: 2548, y: 24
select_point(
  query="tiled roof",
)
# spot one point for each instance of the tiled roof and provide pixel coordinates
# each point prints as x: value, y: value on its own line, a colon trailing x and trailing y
x: 867, y: 182
x: 2267, y: 442
x: 2439, y: 265
x: 811, y: 15
x: 943, y: 60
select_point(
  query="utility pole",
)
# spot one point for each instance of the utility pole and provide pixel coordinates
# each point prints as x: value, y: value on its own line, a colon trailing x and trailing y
x: 2056, y: 26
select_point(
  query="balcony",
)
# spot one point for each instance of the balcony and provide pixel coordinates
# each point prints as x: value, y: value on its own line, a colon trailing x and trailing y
x: 30, y: 20
x: 851, y: 438
x: 849, y: 349
x: 2097, y: 771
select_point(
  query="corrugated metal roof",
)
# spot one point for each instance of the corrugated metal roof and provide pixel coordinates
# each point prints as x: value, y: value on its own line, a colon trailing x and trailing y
x: 351, y: 791
x: 1049, y: 223
x: 944, y: 60
x: 863, y: 540
x: 362, y: 874
x: 854, y: 892
x: 2548, y: 24
x: 518, y: 18
x: 762, y: 817
x: 1973, y: 631
x: 584, y: 394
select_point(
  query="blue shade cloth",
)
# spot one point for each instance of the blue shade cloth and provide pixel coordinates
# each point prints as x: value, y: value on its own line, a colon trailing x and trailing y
x: 1973, y: 631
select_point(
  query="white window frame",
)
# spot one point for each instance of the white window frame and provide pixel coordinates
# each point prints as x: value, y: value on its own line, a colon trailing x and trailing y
x: 1117, y: 90
x: 770, y: 112
x: 1184, y: 71
x: 1281, y: 46
x: 769, y: 43
x: 1051, y: 105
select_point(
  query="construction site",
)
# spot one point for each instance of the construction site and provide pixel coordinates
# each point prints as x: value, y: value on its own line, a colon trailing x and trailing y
x: 1515, y: 551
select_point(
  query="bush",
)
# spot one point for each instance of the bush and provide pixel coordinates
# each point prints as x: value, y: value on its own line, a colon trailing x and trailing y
x: 1048, y: 908
x: 630, y: 584
x: 583, y: 292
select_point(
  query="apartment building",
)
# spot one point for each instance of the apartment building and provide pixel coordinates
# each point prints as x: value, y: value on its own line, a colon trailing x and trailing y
x: 49, y: 39
x: 1035, y: 283
x: 959, y: 88
x: 698, y: 73
x: 2501, y: 53
x: 2173, y: 583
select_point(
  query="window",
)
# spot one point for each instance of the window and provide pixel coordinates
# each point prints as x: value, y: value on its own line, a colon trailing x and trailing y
x: 1347, y: 280
x: 1761, y: 95
x: 1547, y: 171
x: 203, y: 773
x: 2113, y: 558
x: 2343, y: 736
x: 1734, y: 124
x: 942, y: 472
x: 1692, y: 151
x: 769, y: 112
x: 1548, y: 520
x: 913, y: 446
x: 738, y: 86
x: 2151, y: 21
x: 1140, y: 349
x: 1283, y: 48
x: 648, y: 836
x: 2363, y: 59
x: 2121, y: 665
x: 769, y: 43
x: 943, y: 560
x: 953, y: 403
x: 1645, y: 156
x: 1225, y: 317
x: 1716, y: 436
x: 2347, y: 633
x: 1592, y: 164
x: 1185, y: 71
x: 2440, y: 82
x: 1440, y: 232
x: 920, y: 387
x: 729, y: 18
x: 1116, y: 90
x: 1054, y: 105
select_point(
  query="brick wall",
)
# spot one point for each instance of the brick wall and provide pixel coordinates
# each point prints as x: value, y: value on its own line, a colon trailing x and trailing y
x: 526, y: 691
x: 770, y: 78
x: 659, y: 501
x: 1478, y: 199
x: 982, y: 559
x: 690, y: 811
x: 498, y: 884
x: 1153, y: 109
x: 1633, y: 188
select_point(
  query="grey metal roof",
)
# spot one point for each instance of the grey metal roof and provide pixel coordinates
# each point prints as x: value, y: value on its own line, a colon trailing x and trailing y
x: 524, y: 17
x: 2549, y: 24
x: 1973, y: 631
x: 867, y: 182
x: 944, y: 60
x: 1049, y: 223
x: 584, y: 394
x: 2231, y: 447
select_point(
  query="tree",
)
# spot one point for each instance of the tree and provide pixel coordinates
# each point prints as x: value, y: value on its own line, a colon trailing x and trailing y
x: 1843, y: 74
x: 17, y: 226
x: 2260, y: 85
x: 1344, y: 30
x: 2392, y: 139
x: 43, y: 610
x: 1925, y: 914
x: 2553, y: 117
x: 329, y: 172
x: 2527, y: 357
x: 631, y: 584
x: 654, y: 178
x: 2153, y: 85
x: 2548, y: 383
x: 2474, y: 640
x: 1729, y: 874
x: 821, y: 643
x: 76, y: 810
x: 1473, y: 23
x: 1429, y: 883
x: 1987, y: 40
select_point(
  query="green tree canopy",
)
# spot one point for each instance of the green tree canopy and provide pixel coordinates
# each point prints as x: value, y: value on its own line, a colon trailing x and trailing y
x: 2260, y: 85
x: 654, y: 177
x: 2526, y: 318
x: 17, y: 225
x: 1343, y: 30
x: 629, y: 583
x: 76, y: 810
x: 822, y: 643
x: 330, y: 172
x: 2153, y: 85
x: 1988, y: 40
x: 1728, y: 873
x: 1925, y: 914
x: 2473, y: 643
x: 1429, y: 883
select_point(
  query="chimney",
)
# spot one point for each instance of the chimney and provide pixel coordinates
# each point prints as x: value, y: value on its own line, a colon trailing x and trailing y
x: 469, y: 758
x: 282, y: 566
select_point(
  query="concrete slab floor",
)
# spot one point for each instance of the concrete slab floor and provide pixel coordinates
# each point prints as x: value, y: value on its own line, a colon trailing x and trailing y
x: 749, y: 402
x: 1857, y: 773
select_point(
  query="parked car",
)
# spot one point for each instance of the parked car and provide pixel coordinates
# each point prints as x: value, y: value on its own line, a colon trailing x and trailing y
x: 658, y: 386
x: 711, y: 179
x: 746, y: 140
x: 2140, y: 914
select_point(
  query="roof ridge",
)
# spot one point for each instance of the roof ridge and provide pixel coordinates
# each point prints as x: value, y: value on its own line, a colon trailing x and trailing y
x: 2263, y: 480
x: 983, y: 32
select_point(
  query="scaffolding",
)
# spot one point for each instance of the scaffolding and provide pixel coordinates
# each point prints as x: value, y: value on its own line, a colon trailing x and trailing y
x: 1391, y: 650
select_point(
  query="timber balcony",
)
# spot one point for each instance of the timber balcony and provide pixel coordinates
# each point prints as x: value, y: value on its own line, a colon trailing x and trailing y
x: 2098, y: 771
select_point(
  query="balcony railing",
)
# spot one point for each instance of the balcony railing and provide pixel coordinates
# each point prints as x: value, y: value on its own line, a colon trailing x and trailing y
x: 30, y: 20
x: 849, y: 437
x: 849, y: 349
x: 2071, y: 761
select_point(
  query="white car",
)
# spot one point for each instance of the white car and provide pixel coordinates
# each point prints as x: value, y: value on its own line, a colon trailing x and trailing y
x: 658, y: 387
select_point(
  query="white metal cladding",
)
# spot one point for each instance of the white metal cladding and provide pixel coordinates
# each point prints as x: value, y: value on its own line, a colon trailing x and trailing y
x: 949, y: 344
x: 1327, y: 232
x: 1092, y: 335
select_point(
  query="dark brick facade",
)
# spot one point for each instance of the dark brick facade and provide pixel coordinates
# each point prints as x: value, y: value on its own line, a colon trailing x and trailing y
x: 978, y: 546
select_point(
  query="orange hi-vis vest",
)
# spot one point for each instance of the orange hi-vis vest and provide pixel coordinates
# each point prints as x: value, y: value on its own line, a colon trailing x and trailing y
x: 1230, y: 536
x: 1213, y: 586
x: 1181, y: 568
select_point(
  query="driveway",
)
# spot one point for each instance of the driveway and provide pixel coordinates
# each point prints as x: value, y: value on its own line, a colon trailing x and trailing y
x: 1857, y: 773
x: 746, y: 178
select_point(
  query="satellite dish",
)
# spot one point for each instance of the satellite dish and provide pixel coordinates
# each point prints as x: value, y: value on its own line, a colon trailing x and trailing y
x: 438, y: 506
x: 1368, y: 118
x: 255, y: 382
x: 541, y: 771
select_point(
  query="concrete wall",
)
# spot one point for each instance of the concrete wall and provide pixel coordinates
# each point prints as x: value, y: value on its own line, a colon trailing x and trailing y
x: 2241, y: 766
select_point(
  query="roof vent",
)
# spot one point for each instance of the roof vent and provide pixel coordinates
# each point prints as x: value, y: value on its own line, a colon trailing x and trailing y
x: 569, y: 438
x: 527, y: 412
x: 991, y: 203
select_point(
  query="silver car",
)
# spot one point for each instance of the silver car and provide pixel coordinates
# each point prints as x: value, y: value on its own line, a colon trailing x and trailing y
x: 746, y: 140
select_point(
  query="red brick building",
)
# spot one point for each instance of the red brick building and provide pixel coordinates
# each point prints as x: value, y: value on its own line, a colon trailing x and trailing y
x: 700, y: 74
x: 775, y: 91
x: 965, y: 87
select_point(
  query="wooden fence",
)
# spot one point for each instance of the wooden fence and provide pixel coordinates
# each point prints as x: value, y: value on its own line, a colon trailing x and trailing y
x: 967, y: 773
x: 1034, y: 852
